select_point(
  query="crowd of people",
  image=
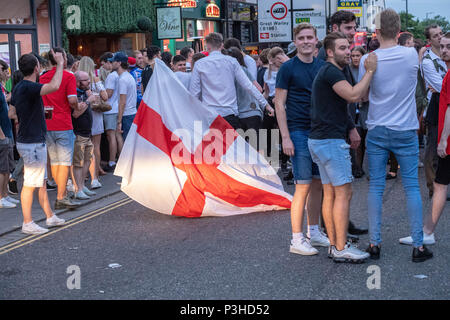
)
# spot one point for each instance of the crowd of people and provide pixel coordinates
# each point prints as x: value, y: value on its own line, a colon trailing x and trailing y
x: 332, y: 102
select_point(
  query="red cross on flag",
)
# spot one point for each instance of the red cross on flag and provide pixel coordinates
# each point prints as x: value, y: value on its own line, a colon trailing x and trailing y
x: 181, y: 158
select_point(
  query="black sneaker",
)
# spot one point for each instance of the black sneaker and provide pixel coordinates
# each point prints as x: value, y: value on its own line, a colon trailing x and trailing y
x: 66, y: 203
x: 354, y: 230
x: 289, y: 176
x: 374, y: 252
x: 51, y: 187
x: 12, y: 187
x: 109, y: 168
x: 421, y: 256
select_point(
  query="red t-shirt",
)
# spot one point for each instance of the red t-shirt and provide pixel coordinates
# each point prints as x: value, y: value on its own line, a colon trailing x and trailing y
x: 444, y: 101
x: 62, y: 119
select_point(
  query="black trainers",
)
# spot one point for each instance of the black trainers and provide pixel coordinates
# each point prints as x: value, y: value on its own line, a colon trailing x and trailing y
x: 421, y: 255
x: 352, y: 229
x: 66, y: 203
x: 12, y: 187
x: 374, y: 252
x: 109, y: 168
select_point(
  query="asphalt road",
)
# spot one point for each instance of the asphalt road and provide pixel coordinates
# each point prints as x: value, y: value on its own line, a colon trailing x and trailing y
x: 240, y: 257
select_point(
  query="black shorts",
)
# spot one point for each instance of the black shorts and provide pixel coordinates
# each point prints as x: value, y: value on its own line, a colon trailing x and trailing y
x: 7, y: 163
x: 443, y: 171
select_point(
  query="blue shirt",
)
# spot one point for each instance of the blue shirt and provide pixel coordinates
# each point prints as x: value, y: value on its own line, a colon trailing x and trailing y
x: 297, y: 77
x: 5, y: 122
x: 137, y: 75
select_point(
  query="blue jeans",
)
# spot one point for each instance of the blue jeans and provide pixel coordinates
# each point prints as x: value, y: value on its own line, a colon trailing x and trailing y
x: 405, y: 146
x: 127, y: 121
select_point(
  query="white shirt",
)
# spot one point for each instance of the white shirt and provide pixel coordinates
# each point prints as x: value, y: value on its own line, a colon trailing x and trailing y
x: 431, y: 76
x: 392, y: 102
x: 127, y: 85
x: 271, y: 82
x: 251, y: 66
x: 213, y: 82
x: 112, y: 83
x: 185, y: 78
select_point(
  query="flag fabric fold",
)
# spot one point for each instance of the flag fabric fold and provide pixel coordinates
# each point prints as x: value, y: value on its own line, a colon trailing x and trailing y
x: 183, y: 159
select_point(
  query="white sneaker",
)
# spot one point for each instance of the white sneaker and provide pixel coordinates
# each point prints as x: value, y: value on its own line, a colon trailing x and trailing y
x: 427, y: 239
x: 349, y: 254
x: 88, y: 192
x: 33, y: 228
x: 319, y: 239
x: 81, y: 195
x: 303, y: 247
x: 95, y: 184
x: 54, y: 221
x: 12, y: 200
x: 4, y: 203
x: 70, y: 187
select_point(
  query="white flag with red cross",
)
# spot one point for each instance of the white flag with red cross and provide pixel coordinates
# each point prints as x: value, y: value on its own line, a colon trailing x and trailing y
x: 181, y: 158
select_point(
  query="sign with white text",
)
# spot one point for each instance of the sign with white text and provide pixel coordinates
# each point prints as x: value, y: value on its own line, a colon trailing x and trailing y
x: 274, y: 21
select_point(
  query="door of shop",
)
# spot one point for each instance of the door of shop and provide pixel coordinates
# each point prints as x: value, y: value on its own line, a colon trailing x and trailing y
x: 14, y: 43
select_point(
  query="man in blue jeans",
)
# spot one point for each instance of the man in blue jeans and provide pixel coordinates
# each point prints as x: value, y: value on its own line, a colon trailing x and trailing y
x: 392, y: 124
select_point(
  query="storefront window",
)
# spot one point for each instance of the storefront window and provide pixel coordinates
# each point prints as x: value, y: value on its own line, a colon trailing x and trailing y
x: 17, y: 12
x: 204, y: 27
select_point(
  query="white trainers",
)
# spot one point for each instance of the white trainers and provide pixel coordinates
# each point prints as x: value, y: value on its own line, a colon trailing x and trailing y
x: 319, y: 239
x: 95, y: 184
x: 88, y: 192
x: 81, y: 195
x: 427, y: 239
x: 70, y: 187
x: 4, y: 203
x: 33, y: 228
x: 54, y: 221
x: 349, y: 254
x: 12, y: 200
x: 302, y: 246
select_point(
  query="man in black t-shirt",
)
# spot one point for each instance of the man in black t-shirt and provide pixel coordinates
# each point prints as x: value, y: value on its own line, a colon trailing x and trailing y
x: 26, y: 98
x: 82, y: 127
x: 330, y: 126
x: 153, y: 52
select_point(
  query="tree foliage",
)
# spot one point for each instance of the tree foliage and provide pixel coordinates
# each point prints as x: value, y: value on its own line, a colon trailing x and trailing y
x: 417, y: 27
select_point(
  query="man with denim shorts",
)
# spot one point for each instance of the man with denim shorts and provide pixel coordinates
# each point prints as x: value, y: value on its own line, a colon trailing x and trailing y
x: 392, y: 124
x: 330, y: 127
x: 26, y: 98
x: 293, y: 90
x: 60, y: 138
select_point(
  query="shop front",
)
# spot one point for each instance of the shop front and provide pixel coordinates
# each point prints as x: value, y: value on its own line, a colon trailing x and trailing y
x: 107, y: 25
x: 199, y: 18
x: 242, y: 23
x: 28, y: 26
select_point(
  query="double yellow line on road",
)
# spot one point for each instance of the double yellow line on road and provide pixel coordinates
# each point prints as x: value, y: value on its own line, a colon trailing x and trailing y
x: 30, y: 239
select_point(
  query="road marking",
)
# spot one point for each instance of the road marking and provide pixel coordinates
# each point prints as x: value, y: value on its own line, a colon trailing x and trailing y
x: 20, y: 243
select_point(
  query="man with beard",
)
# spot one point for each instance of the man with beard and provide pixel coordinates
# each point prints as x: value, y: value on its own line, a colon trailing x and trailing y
x: 345, y: 22
x: 392, y: 124
x: 330, y: 126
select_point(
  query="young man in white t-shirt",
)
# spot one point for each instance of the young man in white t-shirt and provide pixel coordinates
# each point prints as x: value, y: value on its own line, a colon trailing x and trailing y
x: 127, y: 96
x: 392, y: 124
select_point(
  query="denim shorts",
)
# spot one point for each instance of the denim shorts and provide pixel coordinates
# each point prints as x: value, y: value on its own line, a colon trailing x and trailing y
x: 34, y: 157
x: 60, y: 147
x: 303, y: 167
x: 333, y: 159
x: 110, y: 121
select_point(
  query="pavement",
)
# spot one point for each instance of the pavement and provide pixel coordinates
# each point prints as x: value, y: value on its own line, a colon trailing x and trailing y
x: 123, y: 250
x: 11, y: 219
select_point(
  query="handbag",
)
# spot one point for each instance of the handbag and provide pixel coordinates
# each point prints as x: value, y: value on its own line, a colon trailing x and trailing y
x: 101, y: 107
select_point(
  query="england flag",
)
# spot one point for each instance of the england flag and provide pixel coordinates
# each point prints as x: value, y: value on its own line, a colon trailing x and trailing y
x: 181, y: 158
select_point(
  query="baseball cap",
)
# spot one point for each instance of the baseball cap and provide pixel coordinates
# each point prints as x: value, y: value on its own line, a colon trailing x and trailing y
x: 291, y: 48
x: 132, y: 61
x: 120, y: 57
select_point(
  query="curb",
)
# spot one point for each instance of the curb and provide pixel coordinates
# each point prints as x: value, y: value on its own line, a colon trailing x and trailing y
x: 62, y: 211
